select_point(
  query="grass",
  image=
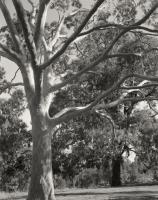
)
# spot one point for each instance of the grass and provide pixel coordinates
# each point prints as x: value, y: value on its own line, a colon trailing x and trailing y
x: 120, y: 193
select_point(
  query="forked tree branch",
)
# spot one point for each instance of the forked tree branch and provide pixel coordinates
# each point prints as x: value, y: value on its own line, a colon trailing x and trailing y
x: 57, y: 34
x: 22, y: 17
x: 41, y: 20
x: 69, y: 113
x: 9, y: 54
x: 73, y: 36
x: 10, y: 24
x: 104, y: 56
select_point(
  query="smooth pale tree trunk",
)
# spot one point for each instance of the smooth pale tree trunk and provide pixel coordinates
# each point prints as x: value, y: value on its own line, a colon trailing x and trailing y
x: 116, y: 171
x: 41, y: 185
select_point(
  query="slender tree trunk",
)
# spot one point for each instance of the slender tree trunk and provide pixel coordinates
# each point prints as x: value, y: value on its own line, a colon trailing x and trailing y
x: 41, y: 186
x: 116, y: 171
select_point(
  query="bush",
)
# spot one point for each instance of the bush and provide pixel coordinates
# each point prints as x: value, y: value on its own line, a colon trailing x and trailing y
x: 59, y: 182
x: 88, y: 178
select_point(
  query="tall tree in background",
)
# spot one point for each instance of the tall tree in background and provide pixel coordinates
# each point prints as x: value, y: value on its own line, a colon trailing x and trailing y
x: 15, y: 140
x: 37, y: 47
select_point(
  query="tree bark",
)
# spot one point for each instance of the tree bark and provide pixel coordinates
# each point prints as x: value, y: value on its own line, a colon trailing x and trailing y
x: 116, y: 171
x: 41, y: 185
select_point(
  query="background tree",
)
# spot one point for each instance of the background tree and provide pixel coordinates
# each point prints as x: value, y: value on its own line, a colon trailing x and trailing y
x: 15, y: 149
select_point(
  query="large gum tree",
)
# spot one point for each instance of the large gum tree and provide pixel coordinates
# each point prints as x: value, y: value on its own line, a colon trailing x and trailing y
x: 36, y: 51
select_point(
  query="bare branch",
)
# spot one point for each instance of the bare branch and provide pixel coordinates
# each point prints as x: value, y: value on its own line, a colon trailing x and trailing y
x: 15, y: 75
x: 6, y: 86
x: 138, y: 99
x: 107, y: 116
x: 26, y: 30
x: 6, y: 55
x: 79, y: 49
x: 139, y: 87
x: 73, y: 36
x: 33, y: 12
x: 41, y: 20
x: 10, y: 24
x: 9, y: 54
x: 57, y: 34
x: 151, y: 108
x: 104, y: 27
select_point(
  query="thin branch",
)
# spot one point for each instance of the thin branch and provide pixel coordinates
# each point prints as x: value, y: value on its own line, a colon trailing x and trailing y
x: 151, y: 108
x: 9, y: 85
x: 10, y: 24
x: 141, y: 21
x: 57, y: 34
x: 45, y: 45
x: 139, y: 87
x: 15, y: 75
x: 107, y: 116
x: 79, y: 49
x: 104, y: 27
x: 138, y: 99
x: 73, y: 36
x: 41, y: 20
x: 26, y: 30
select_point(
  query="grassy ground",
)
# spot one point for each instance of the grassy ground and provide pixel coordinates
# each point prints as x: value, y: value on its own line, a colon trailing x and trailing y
x: 122, y: 193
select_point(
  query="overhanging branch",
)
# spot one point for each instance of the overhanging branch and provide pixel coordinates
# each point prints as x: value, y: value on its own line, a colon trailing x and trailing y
x: 68, y: 113
x: 101, y: 58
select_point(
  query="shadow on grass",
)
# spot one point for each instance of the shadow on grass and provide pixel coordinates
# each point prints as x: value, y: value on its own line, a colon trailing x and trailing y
x: 137, y: 195
x: 106, y: 198
x: 143, y: 193
x: 15, y: 198
x: 133, y: 198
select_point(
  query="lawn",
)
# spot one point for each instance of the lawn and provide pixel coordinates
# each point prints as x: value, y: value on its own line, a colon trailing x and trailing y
x: 122, y: 193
